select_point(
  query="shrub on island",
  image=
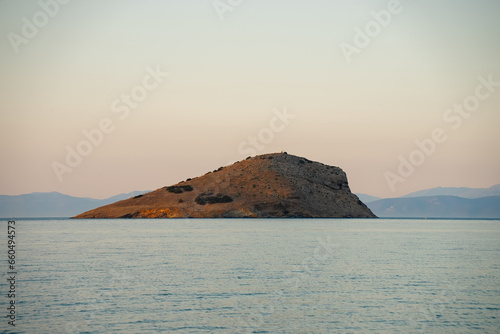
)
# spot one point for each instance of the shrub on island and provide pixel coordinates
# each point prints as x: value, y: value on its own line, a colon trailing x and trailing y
x: 179, y: 189
x: 204, y: 198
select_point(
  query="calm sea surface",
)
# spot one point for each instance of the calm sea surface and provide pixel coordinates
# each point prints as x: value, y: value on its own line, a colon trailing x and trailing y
x: 254, y: 276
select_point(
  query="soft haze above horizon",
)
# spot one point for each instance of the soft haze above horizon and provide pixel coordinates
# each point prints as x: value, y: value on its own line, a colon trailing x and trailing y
x: 228, y: 79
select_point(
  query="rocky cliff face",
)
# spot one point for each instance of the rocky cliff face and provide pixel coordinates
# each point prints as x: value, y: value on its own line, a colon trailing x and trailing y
x: 275, y: 185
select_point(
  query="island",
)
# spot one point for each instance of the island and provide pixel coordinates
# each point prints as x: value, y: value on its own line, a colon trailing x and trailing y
x: 276, y: 185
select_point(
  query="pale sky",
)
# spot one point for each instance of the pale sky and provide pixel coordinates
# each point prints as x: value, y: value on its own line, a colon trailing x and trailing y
x: 231, y: 68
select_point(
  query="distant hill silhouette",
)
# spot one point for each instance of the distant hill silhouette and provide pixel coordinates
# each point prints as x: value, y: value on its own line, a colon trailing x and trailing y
x: 437, y: 207
x: 52, y: 204
x: 459, y: 192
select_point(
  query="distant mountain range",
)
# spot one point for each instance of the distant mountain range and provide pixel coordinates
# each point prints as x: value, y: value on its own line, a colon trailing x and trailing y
x: 437, y: 207
x: 52, y: 204
x: 459, y: 192
x: 443, y: 191
x: 431, y: 203
x: 440, y: 202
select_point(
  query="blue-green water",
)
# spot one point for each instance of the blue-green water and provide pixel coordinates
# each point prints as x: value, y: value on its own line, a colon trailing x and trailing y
x: 255, y: 276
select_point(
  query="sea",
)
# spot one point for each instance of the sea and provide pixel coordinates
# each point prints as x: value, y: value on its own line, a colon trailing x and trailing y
x: 252, y: 276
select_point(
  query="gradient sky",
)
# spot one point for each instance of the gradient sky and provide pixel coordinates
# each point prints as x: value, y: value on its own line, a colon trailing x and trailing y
x: 227, y: 76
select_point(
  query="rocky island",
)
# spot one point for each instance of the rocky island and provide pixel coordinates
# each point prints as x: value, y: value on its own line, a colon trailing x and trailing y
x: 277, y: 185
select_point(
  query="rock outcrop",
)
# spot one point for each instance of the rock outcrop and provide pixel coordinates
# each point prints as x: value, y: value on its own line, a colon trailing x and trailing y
x: 275, y: 185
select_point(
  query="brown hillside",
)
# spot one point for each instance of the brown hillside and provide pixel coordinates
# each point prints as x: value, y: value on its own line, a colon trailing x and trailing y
x: 270, y: 185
